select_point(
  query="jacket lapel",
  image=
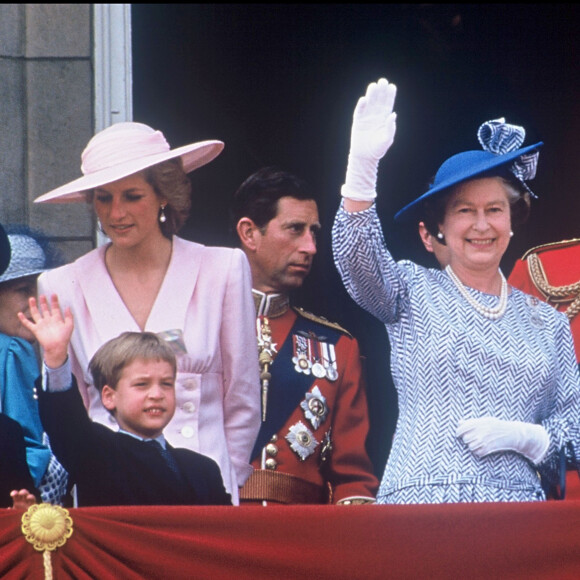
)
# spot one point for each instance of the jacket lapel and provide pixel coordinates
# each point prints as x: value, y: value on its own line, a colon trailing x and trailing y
x: 107, y: 310
x: 170, y: 308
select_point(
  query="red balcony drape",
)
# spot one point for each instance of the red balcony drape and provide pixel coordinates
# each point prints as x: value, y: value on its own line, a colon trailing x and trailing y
x: 475, y: 541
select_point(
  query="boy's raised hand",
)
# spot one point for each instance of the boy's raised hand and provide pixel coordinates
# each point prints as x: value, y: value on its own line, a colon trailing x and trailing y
x: 51, y: 328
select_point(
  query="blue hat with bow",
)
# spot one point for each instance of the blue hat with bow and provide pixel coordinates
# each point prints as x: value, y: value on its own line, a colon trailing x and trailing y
x: 501, y: 144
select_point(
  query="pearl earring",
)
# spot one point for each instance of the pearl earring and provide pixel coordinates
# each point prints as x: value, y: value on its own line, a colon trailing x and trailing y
x: 439, y: 236
x: 162, y: 216
x: 511, y: 234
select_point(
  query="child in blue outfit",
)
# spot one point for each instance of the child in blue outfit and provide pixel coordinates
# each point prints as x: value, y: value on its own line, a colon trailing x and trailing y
x: 19, y: 364
x: 16, y: 486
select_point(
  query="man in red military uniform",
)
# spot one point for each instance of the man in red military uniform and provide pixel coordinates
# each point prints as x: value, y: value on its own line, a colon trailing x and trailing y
x: 311, y: 446
x: 551, y: 272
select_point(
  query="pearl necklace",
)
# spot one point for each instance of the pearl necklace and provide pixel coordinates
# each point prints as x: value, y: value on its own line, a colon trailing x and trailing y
x: 491, y: 313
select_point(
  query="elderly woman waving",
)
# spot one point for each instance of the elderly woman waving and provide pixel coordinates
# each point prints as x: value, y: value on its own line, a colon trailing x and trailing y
x: 147, y: 278
x: 487, y: 383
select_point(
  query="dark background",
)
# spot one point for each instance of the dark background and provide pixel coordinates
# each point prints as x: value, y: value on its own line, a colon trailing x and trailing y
x: 278, y: 84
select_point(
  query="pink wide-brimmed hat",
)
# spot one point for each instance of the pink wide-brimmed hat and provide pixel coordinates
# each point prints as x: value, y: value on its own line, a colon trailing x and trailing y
x: 122, y: 150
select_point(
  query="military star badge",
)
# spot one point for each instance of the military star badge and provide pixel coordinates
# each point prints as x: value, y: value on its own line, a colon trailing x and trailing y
x: 301, y: 440
x: 315, y: 407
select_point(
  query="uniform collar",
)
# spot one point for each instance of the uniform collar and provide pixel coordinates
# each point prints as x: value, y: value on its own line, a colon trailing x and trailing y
x: 270, y: 305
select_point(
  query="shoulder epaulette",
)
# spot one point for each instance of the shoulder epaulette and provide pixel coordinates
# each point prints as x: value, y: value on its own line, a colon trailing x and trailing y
x: 321, y: 320
x: 551, y: 246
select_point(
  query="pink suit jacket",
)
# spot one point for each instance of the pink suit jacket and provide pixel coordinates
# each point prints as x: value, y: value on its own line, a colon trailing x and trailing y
x: 206, y: 294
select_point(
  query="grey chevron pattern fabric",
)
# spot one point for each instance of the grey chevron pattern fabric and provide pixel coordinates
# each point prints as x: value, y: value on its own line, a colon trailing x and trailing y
x: 500, y: 137
x: 450, y: 363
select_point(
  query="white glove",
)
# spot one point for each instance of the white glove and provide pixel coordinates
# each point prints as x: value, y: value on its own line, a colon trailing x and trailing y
x: 486, y: 435
x: 372, y: 133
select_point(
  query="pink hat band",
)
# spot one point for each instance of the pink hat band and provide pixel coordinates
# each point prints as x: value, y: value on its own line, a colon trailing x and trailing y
x: 124, y: 149
x: 121, y: 143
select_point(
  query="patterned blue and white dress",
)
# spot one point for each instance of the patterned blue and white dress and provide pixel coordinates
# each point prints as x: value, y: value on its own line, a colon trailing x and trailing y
x: 449, y: 363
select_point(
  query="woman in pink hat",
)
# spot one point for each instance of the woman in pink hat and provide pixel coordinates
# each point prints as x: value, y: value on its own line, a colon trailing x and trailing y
x: 148, y: 279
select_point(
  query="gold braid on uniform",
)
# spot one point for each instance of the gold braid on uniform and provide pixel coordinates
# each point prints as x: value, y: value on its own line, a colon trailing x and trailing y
x: 267, y: 351
x: 554, y: 294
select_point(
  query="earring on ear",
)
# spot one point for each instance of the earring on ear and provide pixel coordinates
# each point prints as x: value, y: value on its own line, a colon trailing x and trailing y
x: 162, y: 216
x: 439, y: 236
x: 511, y: 234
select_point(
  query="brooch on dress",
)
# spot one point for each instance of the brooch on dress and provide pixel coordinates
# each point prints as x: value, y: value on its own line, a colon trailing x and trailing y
x: 535, y: 317
x: 174, y: 338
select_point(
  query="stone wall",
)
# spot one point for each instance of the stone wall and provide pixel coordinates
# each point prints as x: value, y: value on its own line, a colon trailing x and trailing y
x: 46, y: 117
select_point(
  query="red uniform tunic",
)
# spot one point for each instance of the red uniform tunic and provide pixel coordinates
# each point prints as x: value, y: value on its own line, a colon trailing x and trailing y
x: 560, y: 263
x: 317, y: 455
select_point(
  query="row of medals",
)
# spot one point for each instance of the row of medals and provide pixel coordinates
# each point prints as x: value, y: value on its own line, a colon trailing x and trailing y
x: 314, y: 356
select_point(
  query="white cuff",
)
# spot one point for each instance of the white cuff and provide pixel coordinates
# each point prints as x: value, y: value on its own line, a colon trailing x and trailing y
x: 361, y: 179
x: 538, y: 444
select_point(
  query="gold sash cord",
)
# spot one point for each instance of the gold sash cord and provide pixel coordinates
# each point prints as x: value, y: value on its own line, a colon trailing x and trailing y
x: 554, y: 294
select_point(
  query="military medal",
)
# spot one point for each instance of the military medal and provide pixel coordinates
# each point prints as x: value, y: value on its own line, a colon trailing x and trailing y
x: 301, y: 358
x: 318, y: 369
x: 301, y: 440
x: 315, y: 407
x: 330, y: 362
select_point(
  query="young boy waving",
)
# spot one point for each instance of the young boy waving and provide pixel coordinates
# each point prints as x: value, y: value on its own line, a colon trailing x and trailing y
x: 135, y: 374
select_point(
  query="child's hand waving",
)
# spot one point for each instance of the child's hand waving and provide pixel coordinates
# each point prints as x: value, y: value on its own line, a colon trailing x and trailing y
x: 51, y: 328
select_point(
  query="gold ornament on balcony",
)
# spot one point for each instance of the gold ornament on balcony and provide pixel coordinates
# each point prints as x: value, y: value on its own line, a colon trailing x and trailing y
x: 47, y: 527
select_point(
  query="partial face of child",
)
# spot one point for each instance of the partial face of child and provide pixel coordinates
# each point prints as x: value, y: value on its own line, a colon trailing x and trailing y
x: 14, y: 295
x: 144, y: 400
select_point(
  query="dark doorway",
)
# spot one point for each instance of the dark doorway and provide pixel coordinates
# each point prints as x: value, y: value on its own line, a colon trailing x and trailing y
x: 278, y: 83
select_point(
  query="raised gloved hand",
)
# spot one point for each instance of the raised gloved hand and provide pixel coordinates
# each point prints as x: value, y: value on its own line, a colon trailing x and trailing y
x: 486, y: 435
x: 372, y: 133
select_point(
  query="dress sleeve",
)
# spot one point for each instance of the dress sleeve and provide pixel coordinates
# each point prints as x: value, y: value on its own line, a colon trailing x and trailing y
x: 240, y: 363
x: 368, y: 271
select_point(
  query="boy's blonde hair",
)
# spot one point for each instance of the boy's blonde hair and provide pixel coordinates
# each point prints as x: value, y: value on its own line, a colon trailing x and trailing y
x: 108, y: 362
